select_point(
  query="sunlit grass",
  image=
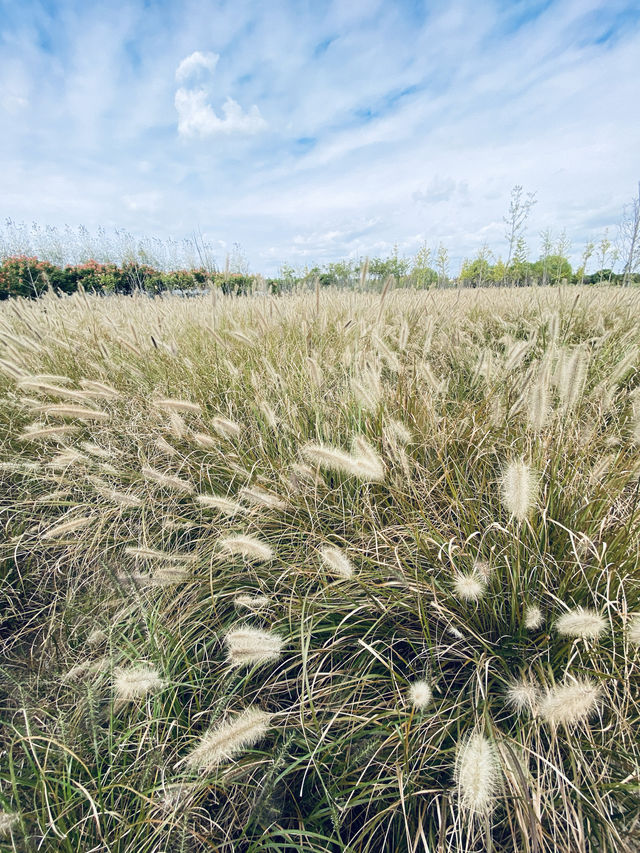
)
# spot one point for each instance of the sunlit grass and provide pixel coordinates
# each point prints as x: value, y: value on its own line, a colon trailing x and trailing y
x: 321, y: 574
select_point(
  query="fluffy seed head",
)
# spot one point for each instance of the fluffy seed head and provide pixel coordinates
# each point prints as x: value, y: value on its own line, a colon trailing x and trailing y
x: 153, y: 554
x: 634, y: 629
x: 8, y: 821
x: 367, y: 390
x: 169, y: 575
x: 420, y: 694
x: 247, y: 646
x: 206, y: 442
x: 532, y: 617
x: 519, y: 489
x: 225, y: 741
x: 247, y: 546
x: 66, y: 411
x: 164, y: 447
x: 97, y: 637
x: 337, y: 562
x: 581, y: 622
x: 169, y: 405
x: 570, y: 702
x: 41, y: 432
x: 469, y: 586
x: 477, y: 774
x: 168, y: 481
x: 98, y: 389
x: 252, y: 602
x: 136, y: 682
x: 226, y: 428
x: 538, y: 408
x: 224, y: 505
x: 86, y: 667
x: 59, y: 530
x: 260, y: 497
x: 367, y: 467
x: 398, y: 431
x: 522, y: 695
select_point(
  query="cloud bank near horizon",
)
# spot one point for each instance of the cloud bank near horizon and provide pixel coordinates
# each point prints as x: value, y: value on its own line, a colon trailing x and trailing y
x: 310, y: 133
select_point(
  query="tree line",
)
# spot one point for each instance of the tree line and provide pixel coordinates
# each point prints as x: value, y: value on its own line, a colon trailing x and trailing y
x: 34, y: 259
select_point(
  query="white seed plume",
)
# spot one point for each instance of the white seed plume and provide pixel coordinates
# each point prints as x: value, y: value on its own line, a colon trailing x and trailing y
x: 252, y: 602
x: 420, y: 694
x: 136, y: 682
x: 98, y: 389
x: 581, y: 622
x: 154, y: 554
x: 538, y: 408
x: 247, y: 546
x: 260, y: 497
x: 477, y: 774
x: 8, y: 821
x: 315, y: 372
x: 169, y: 405
x: 206, y: 442
x: 523, y: 696
x: 168, y: 481
x: 519, y: 489
x: 169, y: 575
x: 572, y: 373
x: 482, y: 568
x: 97, y: 637
x: 226, y: 428
x: 164, y: 447
x: 228, y: 739
x: 368, y: 468
x: 634, y: 629
x: 337, y: 562
x: 247, y: 646
x: 96, y: 450
x: 367, y: 390
x: 41, y: 432
x: 66, y: 459
x: 571, y: 702
x: 224, y: 505
x: 469, y: 586
x: 177, y: 426
x: 87, y: 667
x: 81, y: 412
x: 70, y: 526
x: 398, y: 431
x: 532, y: 617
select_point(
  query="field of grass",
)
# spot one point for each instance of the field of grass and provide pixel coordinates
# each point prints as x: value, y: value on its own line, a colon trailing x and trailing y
x: 323, y: 572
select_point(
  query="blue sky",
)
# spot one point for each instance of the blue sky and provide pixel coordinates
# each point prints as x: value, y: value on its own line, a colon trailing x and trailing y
x: 312, y: 131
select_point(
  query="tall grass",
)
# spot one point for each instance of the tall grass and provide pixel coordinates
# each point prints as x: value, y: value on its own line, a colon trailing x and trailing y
x: 321, y: 573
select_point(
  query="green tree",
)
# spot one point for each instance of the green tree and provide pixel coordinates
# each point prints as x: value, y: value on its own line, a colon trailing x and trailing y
x: 442, y: 265
x: 519, y: 208
x: 586, y: 255
x: 422, y: 273
x: 546, y: 248
x: 604, y: 247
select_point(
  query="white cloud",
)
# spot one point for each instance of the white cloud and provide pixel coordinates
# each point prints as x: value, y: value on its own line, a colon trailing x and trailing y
x: 197, y: 62
x: 196, y: 116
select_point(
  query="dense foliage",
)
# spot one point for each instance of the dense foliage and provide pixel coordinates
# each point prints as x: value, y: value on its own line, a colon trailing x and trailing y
x: 30, y: 277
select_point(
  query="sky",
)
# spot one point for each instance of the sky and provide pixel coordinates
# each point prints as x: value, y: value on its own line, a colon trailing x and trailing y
x: 310, y: 131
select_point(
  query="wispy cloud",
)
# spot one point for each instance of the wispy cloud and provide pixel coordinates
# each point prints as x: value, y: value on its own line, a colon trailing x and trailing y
x: 315, y: 131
